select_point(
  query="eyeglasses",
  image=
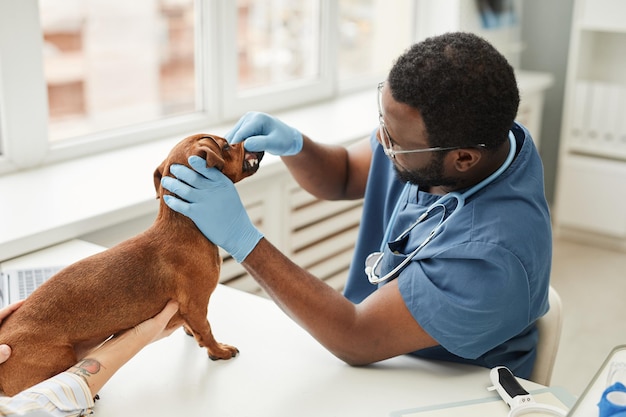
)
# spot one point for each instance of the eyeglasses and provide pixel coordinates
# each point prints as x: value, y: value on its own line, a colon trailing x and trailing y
x: 388, y: 141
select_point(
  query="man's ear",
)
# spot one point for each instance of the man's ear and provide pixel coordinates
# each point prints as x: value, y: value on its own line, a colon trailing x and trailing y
x: 466, y: 158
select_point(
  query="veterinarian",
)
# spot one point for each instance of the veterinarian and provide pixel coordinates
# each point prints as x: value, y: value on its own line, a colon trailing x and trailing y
x: 455, y: 233
x: 72, y: 393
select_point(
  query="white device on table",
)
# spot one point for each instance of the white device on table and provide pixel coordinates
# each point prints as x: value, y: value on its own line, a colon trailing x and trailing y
x: 520, y: 400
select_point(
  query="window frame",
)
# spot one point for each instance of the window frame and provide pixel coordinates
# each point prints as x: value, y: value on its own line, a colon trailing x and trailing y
x: 23, y: 105
x: 287, y: 94
x: 23, y: 93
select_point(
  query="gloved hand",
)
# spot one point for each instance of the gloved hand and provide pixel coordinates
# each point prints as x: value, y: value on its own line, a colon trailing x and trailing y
x: 263, y: 132
x: 213, y: 204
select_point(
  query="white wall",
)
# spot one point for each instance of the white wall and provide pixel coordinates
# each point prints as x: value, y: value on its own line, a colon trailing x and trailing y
x: 546, y: 32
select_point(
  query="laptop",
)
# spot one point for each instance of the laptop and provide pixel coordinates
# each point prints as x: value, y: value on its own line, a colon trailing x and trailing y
x: 17, y: 284
x: 22, y: 275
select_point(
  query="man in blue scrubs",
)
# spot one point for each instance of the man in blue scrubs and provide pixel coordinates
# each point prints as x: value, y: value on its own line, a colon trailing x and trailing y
x: 473, y: 290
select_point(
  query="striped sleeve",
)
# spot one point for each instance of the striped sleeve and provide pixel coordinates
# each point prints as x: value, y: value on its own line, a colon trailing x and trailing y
x: 65, y: 395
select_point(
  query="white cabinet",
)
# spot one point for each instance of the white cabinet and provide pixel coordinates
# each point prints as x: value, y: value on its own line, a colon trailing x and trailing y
x: 591, y: 198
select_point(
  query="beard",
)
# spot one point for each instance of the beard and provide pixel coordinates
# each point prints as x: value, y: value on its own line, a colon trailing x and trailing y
x: 430, y: 176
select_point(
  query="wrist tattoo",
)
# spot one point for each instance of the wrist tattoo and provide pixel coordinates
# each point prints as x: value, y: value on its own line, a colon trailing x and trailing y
x: 86, y: 367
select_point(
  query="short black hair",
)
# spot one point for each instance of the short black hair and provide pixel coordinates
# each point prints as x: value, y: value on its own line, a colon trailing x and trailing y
x: 463, y: 87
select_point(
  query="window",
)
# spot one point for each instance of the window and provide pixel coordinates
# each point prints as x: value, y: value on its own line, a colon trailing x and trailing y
x: 371, y: 35
x: 276, y: 54
x: 84, y: 76
x: 277, y: 42
x: 114, y: 63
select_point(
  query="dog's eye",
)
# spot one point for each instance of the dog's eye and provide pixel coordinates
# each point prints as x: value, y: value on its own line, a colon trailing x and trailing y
x: 226, y: 147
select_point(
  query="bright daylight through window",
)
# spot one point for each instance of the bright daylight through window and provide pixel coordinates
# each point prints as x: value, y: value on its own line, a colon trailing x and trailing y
x: 115, y: 63
x: 371, y: 35
x: 277, y: 41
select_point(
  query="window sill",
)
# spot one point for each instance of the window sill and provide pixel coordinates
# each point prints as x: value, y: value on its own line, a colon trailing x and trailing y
x: 48, y: 205
x: 44, y: 206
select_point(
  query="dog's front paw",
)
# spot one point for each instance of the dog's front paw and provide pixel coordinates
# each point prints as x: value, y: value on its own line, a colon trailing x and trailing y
x: 223, y: 352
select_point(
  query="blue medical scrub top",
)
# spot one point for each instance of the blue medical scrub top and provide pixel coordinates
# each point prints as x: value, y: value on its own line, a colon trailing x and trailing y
x: 479, y: 286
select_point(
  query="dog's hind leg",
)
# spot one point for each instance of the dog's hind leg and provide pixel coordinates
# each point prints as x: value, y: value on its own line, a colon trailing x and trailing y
x: 30, y: 368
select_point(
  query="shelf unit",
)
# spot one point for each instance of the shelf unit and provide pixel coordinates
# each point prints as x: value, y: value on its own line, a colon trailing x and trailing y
x: 590, y: 201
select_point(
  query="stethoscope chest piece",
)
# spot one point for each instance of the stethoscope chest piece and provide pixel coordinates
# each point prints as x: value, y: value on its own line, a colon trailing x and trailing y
x: 372, y: 267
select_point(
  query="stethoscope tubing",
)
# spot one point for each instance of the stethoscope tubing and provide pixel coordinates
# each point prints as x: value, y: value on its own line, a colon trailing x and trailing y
x: 460, y: 197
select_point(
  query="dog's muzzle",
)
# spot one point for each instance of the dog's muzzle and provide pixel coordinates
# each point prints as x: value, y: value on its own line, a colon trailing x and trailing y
x: 251, y: 161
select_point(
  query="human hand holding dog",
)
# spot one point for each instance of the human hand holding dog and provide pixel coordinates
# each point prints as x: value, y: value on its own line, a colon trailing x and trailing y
x: 5, y: 350
x: 262, y: 132
x: 100, y: 364
x: 213, y: 204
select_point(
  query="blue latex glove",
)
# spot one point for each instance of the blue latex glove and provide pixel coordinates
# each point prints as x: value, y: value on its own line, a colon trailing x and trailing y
x: 263, y: 132
x: 213, y: 204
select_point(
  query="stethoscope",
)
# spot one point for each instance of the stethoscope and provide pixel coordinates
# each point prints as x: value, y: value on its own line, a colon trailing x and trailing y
x: 373, y: 260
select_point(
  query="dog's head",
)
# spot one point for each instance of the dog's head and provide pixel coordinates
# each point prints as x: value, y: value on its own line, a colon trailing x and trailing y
x: 232, y: 159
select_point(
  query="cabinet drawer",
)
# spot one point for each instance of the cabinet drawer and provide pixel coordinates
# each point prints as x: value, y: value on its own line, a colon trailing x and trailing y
x: 591, y: 196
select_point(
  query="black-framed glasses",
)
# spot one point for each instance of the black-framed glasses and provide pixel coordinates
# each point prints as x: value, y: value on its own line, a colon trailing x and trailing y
x: 387, y: 140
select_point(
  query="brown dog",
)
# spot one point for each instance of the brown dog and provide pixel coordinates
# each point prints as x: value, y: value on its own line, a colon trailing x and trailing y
x: 102, y: 295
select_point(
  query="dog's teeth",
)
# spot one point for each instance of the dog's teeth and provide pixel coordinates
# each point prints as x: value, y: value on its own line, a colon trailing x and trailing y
x: 252, y: 162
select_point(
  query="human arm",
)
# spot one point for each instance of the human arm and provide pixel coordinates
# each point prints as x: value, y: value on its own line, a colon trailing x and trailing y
x: 330, y: 172
x: 71, y: 393
x: 5, y: 350
x: 378, y: 328
x: 100, y: 364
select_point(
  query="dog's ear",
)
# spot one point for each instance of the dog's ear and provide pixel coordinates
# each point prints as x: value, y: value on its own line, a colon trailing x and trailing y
x: 158, y: 174
x: 213, y: 159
